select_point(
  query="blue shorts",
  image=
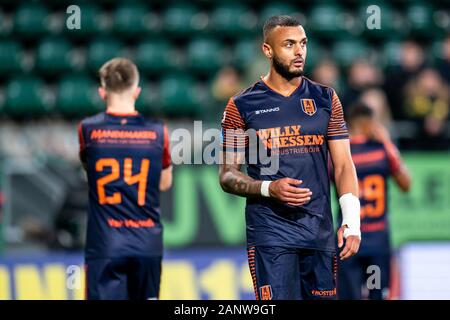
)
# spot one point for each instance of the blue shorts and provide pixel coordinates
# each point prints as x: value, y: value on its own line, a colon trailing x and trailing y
x: 127, y: 278
x: 354, y: 277
x: 292, y: 274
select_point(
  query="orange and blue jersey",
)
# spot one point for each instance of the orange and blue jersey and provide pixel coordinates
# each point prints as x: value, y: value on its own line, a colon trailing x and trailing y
x: 123, y: 155
x: 296, y: 128
x: 374, y: 162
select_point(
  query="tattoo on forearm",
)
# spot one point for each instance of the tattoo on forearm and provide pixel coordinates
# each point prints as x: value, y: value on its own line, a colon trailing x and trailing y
x: 233, y: 180
x: 236, y: 182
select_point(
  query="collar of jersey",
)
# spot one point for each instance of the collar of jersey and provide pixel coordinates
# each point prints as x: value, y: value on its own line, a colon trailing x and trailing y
x: 127, y: 114
x: 301, y: 85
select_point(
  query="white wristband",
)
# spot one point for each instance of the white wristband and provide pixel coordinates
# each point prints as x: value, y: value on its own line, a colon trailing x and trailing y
x: 265, y: 188
x: 350, y: 208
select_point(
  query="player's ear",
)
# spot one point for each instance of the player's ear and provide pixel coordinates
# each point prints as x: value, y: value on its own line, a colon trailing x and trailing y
x: 102, y: 93
x: 267, y: 50
x: 137, y: 92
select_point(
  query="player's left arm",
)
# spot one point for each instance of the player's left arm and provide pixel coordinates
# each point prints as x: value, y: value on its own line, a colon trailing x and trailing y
x: 347, y: 189
x: 345, y: 179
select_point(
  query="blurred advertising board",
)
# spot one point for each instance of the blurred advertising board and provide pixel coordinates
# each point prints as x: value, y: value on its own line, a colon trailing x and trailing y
x: 423, y: 271
x: 187, y: 274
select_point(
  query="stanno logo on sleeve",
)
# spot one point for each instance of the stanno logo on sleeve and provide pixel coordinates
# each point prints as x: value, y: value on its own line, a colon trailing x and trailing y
x: 308, y: 106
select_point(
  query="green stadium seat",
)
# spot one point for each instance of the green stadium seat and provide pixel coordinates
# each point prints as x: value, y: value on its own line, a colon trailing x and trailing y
x: 178, y: 95
x: 30, y: 20
x: 155, y: 56
x: 246, y: 52
x: 233, y: 19
x: 392, y: 53
x: 77, y: 96
x: 92, y: 23
x: 178, y: 20
x: 25, y: 97
x: 315, y: 53
x: 148, y: 102
x: 274, y: 9
x: 436, y: 50
x: 204, y: 55
x: 347, y: 51
x: 420, y: 18
x: 67, y: 2
x: 327, y: 21
x: 5, y: 26
x: 10, y: 57
x: 54, y: 56
x: 102, y: 50
x: 130, y: 20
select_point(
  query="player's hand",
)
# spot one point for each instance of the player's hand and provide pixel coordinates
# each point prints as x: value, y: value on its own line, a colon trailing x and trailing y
x: 287, y: 190
x: 380, y: 133
x: 351, y: 244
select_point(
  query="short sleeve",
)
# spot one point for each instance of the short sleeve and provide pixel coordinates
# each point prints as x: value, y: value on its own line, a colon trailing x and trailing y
x: 234, y: 137
x: 337, y: 128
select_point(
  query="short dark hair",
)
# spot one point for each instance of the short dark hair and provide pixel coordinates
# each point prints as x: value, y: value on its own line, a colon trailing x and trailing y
x: 359, y: 110
x: 118, y: 74
x: 281, y: 20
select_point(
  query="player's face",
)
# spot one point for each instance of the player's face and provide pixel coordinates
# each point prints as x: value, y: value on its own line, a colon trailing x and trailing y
x: 288, y: 51
x: 367, y: 126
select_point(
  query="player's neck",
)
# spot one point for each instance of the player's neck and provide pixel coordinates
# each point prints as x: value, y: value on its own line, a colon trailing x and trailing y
x: 120, y: 106
x: 282, y: 85
x: 121, y: 110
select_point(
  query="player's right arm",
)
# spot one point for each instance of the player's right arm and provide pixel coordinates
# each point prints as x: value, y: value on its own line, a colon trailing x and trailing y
x: 233, y: 181
x: 403, y: 179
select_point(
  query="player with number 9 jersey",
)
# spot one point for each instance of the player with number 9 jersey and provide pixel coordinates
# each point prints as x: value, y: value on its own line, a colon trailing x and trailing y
x: 376, y: 160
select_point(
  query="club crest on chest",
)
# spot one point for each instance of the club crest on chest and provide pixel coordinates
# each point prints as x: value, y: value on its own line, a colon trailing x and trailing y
x: 308, y: 106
